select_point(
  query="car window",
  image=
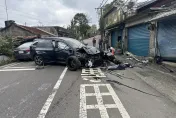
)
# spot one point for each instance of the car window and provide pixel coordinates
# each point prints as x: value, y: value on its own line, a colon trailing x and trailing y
x: 45, y: 44
x: 62, y: 46
x: 26, y: 45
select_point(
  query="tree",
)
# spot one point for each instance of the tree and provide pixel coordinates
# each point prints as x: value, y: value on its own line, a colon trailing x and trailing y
x: 92, y: 31
x: 6, y: 46
x: 79, y: 26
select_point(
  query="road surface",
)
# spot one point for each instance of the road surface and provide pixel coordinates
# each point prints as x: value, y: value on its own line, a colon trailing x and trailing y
x: 56, y: 92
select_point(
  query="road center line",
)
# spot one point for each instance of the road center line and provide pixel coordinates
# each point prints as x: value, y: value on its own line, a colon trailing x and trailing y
x: 48, y: 102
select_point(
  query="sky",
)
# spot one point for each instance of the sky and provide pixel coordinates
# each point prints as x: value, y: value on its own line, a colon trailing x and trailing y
x: 48, y: 12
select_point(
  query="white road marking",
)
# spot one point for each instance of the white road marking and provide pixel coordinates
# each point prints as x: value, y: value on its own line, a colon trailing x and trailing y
x: 22, y: 69
x: 117, y: 101
x: 92, y: 80
x: 92, y: 72
x: 18, y: 67
x: 48, y: 102
x: 102, y: 107
x: 89, y: 74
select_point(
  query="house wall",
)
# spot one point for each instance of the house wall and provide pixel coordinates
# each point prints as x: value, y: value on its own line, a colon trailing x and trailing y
x: 114, y: 17
x: 15, y: 32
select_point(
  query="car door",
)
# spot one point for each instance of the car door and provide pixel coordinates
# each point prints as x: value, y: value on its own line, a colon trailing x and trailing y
x: 45, y: 48
x: 63, y: 51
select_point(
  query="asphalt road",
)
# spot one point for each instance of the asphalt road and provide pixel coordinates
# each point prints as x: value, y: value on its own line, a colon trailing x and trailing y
x: 56, y: 92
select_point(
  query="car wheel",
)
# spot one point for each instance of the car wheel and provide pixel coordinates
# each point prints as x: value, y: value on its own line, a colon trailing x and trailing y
x: 73, y: 63
x: 38, y: 60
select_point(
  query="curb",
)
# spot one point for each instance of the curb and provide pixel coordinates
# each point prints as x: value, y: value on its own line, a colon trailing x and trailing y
x: 169, y: 96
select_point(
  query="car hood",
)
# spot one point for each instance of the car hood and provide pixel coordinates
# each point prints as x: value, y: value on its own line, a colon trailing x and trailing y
x: 91, y: 50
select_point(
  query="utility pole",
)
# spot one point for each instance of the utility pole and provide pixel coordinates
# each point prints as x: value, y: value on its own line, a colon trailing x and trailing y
x: 6, y: 9
x: 100, y: 14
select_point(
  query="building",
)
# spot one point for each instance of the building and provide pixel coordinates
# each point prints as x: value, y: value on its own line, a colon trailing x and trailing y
x: 60, y: 31
x: 147, y: 30
x: 114, y: 25
x: 15, y: 30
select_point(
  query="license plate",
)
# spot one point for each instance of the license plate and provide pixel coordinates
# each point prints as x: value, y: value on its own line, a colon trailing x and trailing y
x: 20, y: 52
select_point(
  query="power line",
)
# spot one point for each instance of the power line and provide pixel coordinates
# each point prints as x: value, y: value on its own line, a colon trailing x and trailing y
x: 101, y: 3
x: 105, y: 3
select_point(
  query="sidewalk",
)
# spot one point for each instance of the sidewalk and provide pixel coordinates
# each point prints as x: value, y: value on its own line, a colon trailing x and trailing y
x: 155, y: 76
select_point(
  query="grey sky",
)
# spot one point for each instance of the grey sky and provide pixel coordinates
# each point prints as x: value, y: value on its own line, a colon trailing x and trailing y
x: 48, y: 12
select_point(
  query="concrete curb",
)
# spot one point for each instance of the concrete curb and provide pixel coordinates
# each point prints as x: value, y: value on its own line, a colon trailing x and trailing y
x: 163, y: 91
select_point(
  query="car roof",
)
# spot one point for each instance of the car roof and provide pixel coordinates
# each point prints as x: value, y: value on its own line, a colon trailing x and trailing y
x: 54, y: 38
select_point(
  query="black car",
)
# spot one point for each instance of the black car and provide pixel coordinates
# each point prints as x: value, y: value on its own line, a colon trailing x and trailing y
x: 64, y: 50
x: 22, y: 52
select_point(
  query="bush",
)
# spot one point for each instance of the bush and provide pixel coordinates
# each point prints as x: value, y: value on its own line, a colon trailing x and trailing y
x: 6, y: 46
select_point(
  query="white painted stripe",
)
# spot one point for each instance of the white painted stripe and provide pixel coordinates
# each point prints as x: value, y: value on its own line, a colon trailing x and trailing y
x: 107, y: 106
x: 83, y: 109
x: 103, y: 110
x: 48, y: 102
x: 4, y: 70
x: 19, y: 67
x: 94, y: 94
x: 102, y: 107
x: 94, y: 76
x: 117, y: 101
x: 93, y: 85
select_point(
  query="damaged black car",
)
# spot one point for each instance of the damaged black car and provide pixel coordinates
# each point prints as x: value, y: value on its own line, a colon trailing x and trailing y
x: 69, y: 51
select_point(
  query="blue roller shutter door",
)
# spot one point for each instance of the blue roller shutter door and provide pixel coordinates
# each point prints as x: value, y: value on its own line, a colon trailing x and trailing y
x: 138, y: 40
x: 113, y: 39
x: 167, y: 39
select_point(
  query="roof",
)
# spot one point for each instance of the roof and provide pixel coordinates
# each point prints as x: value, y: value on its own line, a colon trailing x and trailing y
x: 144, y: 4
x: 35, y: 30
x: 164, y: 15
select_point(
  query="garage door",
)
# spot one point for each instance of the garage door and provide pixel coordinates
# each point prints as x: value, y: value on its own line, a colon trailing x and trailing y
x: 138, y: 40
x: 114, y: 39
x: 167, y: 39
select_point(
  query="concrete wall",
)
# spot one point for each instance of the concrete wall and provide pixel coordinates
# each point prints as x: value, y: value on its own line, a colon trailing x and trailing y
x: 3, y: 58
x: 125, y: 39
x: 153, y: 36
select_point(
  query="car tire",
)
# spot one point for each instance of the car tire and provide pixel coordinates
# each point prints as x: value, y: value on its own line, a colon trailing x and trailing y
x: 38, y: 60
x: 73, y: 63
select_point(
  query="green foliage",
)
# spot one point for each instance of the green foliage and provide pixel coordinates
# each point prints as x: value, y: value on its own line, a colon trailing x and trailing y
x: 6, y: 46
x: 92, y: 31
x: 79, y: 26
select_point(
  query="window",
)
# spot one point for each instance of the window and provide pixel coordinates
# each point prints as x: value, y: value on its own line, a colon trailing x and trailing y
x: 45, y: 44
x: 62, y: 46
